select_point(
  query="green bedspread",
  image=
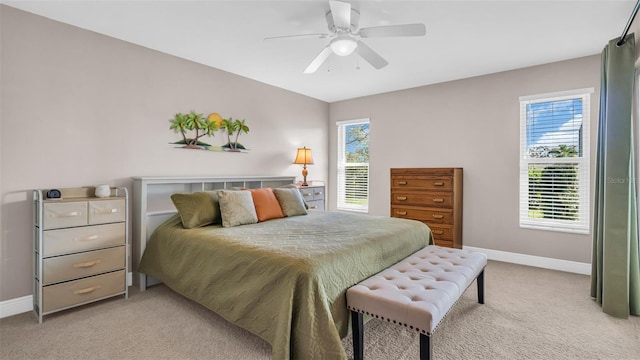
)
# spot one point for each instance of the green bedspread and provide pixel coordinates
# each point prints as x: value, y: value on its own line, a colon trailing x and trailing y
x: 283, y: 279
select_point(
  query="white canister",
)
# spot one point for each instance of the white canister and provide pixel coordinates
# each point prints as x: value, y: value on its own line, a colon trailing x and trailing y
x: 103, y: 190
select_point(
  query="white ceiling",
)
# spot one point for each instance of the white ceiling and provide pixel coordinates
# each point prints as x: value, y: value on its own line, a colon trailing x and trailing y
x: 464, y: 38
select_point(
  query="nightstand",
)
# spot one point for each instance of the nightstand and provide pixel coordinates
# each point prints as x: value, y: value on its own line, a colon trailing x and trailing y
x: 313, y: 196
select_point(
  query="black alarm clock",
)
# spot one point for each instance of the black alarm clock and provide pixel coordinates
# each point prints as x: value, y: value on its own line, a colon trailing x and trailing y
x: 53, y: 194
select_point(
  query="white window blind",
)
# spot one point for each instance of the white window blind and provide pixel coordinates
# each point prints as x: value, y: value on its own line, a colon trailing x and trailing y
x: 353, y: 165
x: 554, y: 161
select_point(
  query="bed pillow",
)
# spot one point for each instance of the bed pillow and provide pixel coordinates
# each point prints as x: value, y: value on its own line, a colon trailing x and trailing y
x: 237, y: 208
x: 197, y: 209
x: 266, y: 204
x: 294, y: 186
x: 291, y: 201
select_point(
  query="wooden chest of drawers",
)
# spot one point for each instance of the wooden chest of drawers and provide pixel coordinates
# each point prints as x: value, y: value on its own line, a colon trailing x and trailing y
x: 433, y: 196
x: 80, y: 249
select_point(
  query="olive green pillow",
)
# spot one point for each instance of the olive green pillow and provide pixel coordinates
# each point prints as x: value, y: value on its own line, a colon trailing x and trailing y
x: 291, y: 201
x: 197, y: 209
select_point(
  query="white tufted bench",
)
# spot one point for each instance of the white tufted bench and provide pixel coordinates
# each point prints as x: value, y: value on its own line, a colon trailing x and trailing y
x: 417, y: 292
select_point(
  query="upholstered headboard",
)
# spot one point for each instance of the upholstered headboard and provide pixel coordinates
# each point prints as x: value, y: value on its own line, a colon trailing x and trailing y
x: 152, y: 203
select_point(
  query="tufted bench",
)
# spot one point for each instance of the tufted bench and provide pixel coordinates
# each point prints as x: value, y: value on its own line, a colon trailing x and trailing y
x: 417, y: 292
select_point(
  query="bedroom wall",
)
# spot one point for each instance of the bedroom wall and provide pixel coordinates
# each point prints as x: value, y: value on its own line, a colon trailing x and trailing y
x: 79, y: 108
x: 474, y: 124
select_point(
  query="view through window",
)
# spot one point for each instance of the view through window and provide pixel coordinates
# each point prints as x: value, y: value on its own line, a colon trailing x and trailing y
x: 353, y: 165
x: 554, y: 161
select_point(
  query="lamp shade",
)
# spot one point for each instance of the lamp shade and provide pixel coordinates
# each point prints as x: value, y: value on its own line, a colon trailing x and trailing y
x: 303, y: 157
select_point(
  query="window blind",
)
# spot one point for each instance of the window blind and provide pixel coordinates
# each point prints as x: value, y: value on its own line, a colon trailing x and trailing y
x: 353, y: 165
x: 554, y: 161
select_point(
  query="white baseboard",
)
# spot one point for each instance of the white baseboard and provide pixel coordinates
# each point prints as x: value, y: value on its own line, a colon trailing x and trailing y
x: 24, y: 304
x: 536, y: 261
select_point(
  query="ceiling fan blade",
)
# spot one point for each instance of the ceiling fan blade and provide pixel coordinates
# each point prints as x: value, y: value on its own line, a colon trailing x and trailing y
x: 371, y: 56
x: 394, y: 30
x: 319, y: 36
x: 341, y: 12
x: 315, y: 64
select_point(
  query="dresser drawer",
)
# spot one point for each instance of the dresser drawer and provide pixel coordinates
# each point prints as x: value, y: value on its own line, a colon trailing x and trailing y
x: 106, y: 211
x: 63, y: 241
x: 64, y: 215
x: 439, y: 216
x: 441, y: 231
x: 316, y: 204
x: 84, y: 290
x: 431, y: 199
x: 69, y: 267
x: 312, y: 193
x: 444, y: 183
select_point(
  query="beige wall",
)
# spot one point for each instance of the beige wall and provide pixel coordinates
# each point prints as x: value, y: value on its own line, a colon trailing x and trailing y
x: 473, y: 124
x: 80, y: 109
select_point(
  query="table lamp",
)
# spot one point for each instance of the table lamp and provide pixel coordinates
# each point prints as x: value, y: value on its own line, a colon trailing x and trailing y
x: 304, y: 158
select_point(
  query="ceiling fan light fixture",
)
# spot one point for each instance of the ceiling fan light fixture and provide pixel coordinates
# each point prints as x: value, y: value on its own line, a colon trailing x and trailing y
x: 343, y: 45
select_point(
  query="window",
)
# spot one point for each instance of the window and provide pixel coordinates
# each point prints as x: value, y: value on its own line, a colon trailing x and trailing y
x: 353, y: 165
x: 554, y: 161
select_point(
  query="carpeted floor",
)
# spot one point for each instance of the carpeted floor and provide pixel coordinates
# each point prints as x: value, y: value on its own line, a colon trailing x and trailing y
x: 529, y: 313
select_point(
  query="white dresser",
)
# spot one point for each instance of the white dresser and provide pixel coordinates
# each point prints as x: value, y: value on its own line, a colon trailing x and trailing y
x: 80, y: 248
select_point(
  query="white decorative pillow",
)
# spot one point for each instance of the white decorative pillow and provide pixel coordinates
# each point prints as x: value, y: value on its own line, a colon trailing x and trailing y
x: 237, y: 208
x: 291, y: 201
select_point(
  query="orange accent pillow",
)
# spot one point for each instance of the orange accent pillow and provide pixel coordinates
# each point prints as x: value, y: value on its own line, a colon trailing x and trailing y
x: 266, y: 203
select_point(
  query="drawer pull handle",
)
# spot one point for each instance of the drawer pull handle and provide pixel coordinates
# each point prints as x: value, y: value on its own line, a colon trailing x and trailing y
x: 401, y: 198
x: 87, y: 238
x: 438, y: 200
x: 313, y: 207
x: 439, y: 183
x: 105, y: 211
x: 87, y: 264
x: 402, y: 183
x: 87, y: 290
x: 436, y: 216
x: 65, y: 214
x: 401, y: 212
x: 318, y: 193
x: 306, y: 194
x: 438, y: 232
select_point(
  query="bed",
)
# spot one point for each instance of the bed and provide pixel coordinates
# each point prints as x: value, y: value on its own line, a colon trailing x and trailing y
x: 283, y: 279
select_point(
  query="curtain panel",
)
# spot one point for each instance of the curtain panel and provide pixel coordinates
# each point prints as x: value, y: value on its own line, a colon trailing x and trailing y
x: 615, y: 274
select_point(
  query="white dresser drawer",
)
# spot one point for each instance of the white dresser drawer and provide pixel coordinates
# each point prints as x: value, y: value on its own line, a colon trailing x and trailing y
x: 106, y: 211
x: 84, y: 290
x: 64, y: 214
x: 64, y: 241
x: 69, y: 267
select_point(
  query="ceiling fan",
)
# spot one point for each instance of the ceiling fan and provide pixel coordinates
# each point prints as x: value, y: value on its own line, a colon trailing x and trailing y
x: 342, y: 21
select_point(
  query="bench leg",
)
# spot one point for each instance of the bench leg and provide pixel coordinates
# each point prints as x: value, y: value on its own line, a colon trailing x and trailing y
x: 357, y: 330
x: 480, y: 284
x: 425, y: 347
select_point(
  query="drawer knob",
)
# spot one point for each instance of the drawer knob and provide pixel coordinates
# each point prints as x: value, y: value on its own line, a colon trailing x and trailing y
x: 87, y: 264
x: 401, y: 212
x: 105, y: 211
x: 65, y: 214
x: 437, y: 216
x: 87, y: 290
x: 401, y: 198
x: 438, y: 232
x: 438, y: 200
x: 402, y: 183
x: 439, y: 183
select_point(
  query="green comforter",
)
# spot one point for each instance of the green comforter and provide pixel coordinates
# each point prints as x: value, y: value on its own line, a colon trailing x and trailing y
x: 283, y: 279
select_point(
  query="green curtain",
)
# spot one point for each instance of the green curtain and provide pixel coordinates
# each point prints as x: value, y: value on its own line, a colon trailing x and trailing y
x: 615, y: 274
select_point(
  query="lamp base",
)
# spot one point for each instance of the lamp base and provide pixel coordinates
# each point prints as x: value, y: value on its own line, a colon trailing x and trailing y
x: 304, y: 176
